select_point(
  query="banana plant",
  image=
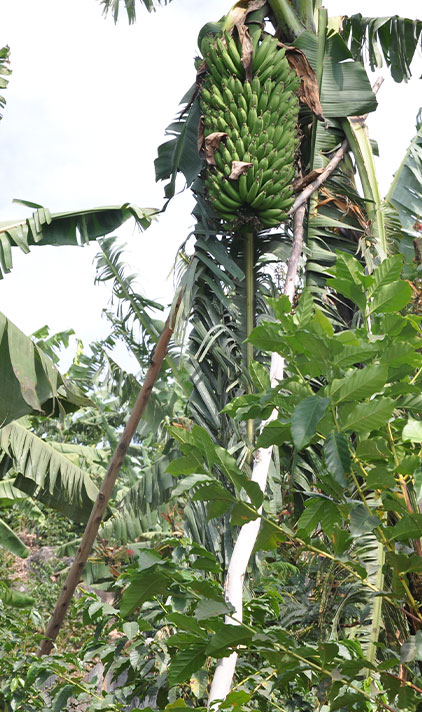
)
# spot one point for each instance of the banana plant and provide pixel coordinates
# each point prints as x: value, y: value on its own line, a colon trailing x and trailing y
x: 334, y: 87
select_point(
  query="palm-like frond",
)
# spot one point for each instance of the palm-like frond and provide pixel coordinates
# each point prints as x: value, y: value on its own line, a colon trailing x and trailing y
x: 46, y: 474
x: 71, y: 228
x: 113, y: 6
x: 392, y: 39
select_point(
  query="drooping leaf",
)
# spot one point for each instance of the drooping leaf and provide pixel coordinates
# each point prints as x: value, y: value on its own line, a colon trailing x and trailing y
x: 186, y: 662
x: 180, y: 154
x: 113, y: 7
x: 394, y: 39
x: 337, y: 457
x: 10, y: 541
x: 359, y: 385
x: 369, y: 416
x: 305, y: 419
x: 71, y: 228
x: 29, y: 382
x: 412, y: 431
x: 46, y: 474
x: 391, y: 298
x: 143, y: 586
x: 227, y: 637
x: 13, y: 598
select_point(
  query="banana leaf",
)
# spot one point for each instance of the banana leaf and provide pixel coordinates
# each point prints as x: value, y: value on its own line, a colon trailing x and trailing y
x: 10, y: 541
x: 113, y: 6
x: 71, y: 228
x: 29, y: 381
x: 345, y: 89
x: 45, y: 474
x: 180, y: 154
x: 392, y: 39
x: 405, y: 193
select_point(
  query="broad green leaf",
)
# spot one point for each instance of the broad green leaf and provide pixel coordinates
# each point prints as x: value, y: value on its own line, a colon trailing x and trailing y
x: 10, y: 541
x: 361, y: 521
x: 209, y: 608
x: 337, y: 457
x: 305, y: 308
x: 198, y: 683
x: 267, y: 337
x: 186, y: 622
x: 322, y: 324
x: 359, y: 385
x: 320, y: 510
x: 227, y: 637
x: 369, y: 416
x: 412, y: 431
x: 260, y: 376
x: 241, y: 514
x: 186, y: 662
x: 274, y: 433
x: 131, y: 629
x: 143, y: 587
x: 380, y: 478
x: 280, y: 306
x: 387, y: 272
x: 305, y: 419
x: 186, y: 484
x: 269, y: 537
x: 185, y: 465
x: 60, y: 700
x: 408, y: 527
x: 373, y: 449
x: 147, y: 558
x: 354, y: 292
x: 391, y: 297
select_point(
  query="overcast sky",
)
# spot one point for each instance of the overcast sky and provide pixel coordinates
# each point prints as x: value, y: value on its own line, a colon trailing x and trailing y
x: 87, y: 105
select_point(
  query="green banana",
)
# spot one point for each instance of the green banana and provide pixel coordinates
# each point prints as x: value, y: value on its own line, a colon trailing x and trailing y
x: 259, y: 118
x: 233, y: 51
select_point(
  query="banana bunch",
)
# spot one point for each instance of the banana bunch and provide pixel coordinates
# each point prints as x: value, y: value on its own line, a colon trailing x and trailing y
x: 257, y: 124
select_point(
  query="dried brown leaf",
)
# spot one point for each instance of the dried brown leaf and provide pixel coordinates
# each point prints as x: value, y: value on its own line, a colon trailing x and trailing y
x: 212, y: 142
x: 201, y: 130
x: 238, y: 169
x: 308, y: 90
x: 238, y: 15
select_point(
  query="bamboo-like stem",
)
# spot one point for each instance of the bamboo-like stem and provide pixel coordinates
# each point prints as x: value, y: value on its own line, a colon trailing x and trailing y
x: 250, y: 312
x: 107, y: 486
x: 248, y: 534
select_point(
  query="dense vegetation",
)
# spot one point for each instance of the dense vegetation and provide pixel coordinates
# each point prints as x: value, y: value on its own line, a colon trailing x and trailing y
x: 263, y: 545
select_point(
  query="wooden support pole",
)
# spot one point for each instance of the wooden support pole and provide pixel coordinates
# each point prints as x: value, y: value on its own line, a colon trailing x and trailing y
x: 107, y: 486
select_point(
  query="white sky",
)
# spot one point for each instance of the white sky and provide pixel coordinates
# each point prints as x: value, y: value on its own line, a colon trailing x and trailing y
x: 87, y: 105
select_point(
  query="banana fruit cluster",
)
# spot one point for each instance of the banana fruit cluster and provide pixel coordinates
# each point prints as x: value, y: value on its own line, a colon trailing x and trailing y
x: 257, y: 126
